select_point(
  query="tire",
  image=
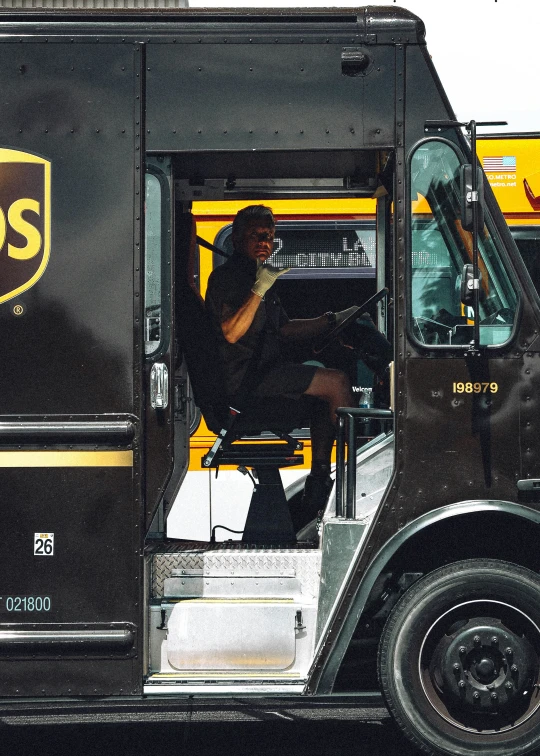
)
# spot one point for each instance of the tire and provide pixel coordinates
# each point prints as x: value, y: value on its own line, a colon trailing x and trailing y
x: 459, y: 660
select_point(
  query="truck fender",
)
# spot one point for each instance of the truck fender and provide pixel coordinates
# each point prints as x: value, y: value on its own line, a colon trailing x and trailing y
x: 332, y: 664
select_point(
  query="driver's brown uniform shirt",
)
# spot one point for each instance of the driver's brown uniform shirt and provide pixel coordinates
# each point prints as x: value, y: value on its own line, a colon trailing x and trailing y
x: 229, y: 286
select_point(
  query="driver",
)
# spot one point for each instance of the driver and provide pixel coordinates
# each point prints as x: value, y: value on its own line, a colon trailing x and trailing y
x: 252, y: 325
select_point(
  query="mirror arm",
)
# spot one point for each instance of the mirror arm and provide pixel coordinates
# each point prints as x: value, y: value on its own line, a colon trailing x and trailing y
x: 475, y: 343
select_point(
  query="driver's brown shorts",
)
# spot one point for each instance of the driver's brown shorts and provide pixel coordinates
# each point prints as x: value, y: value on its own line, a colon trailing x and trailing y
x: 288, y: 379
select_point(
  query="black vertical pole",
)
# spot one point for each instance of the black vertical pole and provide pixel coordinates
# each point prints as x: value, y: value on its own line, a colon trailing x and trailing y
x: 476, y: 290
x: 351, y: 467
x: 340, y: 465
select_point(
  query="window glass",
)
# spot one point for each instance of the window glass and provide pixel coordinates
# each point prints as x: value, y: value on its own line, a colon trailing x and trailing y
x: 153, y: 283
x: 322, y: 249
x: 440, y: 249
x: 527, y: 239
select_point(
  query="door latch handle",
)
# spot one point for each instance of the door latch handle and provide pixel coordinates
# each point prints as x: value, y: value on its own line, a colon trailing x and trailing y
x: 159, y: 386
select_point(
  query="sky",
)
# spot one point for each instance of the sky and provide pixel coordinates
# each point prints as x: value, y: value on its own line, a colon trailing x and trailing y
x: 487, y: 53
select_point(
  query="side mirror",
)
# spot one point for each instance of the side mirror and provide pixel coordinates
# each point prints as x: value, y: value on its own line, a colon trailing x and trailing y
x: 466, y: 192
x: 467, y: 291
x: 467, y: 286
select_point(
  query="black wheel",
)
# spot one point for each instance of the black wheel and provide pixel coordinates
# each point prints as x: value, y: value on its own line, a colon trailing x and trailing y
x: 459, y: 660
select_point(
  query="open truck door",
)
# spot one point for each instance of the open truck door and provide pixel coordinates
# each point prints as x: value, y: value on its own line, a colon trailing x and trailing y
x: 166, y: 386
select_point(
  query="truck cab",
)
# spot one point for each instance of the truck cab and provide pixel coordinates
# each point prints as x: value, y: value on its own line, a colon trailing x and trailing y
x: 126, y: 580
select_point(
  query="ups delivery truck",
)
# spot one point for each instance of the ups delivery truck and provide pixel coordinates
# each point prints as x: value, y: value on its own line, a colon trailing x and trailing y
x: 421, y: 578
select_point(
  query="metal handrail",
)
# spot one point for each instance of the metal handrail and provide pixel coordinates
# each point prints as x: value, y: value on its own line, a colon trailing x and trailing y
x: 346, y: 437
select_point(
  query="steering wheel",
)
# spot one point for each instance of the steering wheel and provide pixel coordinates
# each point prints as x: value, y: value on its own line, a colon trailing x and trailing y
x: 334, y: 333
x: 502, y: 316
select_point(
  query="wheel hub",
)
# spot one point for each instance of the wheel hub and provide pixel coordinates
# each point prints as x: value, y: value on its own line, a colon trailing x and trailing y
x: 483, y: 666
x: 485, y: 669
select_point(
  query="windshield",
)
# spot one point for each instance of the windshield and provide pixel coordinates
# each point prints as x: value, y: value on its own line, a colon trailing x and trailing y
x: 440, y: 249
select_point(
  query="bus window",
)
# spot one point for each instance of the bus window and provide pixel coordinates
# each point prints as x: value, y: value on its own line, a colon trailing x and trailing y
x: 440, y: 248
x: 332, y: 263
x: 319, y: 249
x: 332, y: 266
x: 322, y: 252
x: 527, y: 239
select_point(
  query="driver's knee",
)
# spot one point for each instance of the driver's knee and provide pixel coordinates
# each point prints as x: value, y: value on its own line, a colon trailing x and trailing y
x: 329, y: 384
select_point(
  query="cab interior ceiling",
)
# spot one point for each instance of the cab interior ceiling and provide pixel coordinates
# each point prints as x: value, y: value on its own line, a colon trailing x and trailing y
x: 247, y: 174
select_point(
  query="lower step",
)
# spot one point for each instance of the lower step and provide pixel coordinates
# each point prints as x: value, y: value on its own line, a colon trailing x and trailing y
x: 217, y: 683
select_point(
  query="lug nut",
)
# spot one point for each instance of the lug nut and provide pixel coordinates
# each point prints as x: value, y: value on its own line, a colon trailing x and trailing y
x: 508, y: 651
x: 462, y: 650
x: 508, y: 685
x: 476, y: 695
x: 461, y: 684
x: 494, y: 696
x: 514, y: 669
x: 456, y: 667
x: 476, y: 640
x: 494, y: 640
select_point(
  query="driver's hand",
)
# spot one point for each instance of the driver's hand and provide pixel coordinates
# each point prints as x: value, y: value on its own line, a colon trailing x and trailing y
x: 266, y: 276
x: 343, y: 315
x: 366, y: 319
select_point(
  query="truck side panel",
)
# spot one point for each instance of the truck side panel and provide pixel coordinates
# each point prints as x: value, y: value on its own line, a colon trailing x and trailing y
x: 67, y: 374
x: 308, y: 103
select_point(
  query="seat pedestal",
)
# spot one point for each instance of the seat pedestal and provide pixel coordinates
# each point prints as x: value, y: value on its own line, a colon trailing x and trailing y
x: 268, y: 520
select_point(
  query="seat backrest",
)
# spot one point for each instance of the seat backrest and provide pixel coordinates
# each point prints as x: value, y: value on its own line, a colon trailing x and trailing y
x: 197, y: 340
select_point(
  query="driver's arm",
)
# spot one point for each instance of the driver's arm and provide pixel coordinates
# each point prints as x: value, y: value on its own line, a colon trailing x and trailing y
x: 300, y: 330
x: 237, y: 324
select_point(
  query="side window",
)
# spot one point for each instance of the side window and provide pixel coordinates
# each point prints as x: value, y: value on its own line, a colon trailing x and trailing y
x: 156, y: 283
x: 440, y: 248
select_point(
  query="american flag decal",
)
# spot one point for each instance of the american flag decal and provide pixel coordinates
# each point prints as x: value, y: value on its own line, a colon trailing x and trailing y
x: 506, y: 163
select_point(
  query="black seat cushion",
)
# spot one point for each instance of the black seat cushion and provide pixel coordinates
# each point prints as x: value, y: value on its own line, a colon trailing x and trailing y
x: 275, y: 414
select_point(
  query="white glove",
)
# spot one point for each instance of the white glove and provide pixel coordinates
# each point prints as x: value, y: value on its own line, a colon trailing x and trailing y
x: 266, y: 276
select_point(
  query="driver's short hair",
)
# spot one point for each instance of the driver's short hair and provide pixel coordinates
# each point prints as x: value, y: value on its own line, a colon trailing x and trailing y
x: 259, y: 214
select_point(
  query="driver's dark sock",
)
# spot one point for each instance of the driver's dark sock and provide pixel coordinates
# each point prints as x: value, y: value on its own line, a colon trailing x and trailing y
x: 320, y: 470
x: 316, y: 492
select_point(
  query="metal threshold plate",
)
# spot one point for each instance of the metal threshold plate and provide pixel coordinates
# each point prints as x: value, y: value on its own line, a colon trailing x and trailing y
x: 224, y: 684
x: 217, y: 675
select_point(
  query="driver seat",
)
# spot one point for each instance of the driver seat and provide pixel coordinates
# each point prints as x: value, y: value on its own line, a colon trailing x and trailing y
x: 268, y: 520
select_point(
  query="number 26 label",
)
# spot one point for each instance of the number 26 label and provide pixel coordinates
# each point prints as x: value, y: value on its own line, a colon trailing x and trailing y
x: 43, y: 544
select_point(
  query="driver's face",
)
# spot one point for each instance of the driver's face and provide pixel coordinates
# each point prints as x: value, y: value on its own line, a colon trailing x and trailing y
x: 257, y: 242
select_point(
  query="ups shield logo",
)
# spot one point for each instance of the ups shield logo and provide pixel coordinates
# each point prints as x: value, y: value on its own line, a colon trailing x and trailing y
x: 25, y: 220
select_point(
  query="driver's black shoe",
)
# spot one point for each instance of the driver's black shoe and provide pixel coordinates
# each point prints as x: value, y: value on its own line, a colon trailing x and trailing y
x: 369, y: 345
x: 314, y: 500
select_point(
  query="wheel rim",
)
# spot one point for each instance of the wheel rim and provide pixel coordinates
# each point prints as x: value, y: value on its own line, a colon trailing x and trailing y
x: 479, y: 666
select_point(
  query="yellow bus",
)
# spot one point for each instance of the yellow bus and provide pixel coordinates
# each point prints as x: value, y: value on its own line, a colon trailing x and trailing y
x: 330, y: 246
x: 512, y: 166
